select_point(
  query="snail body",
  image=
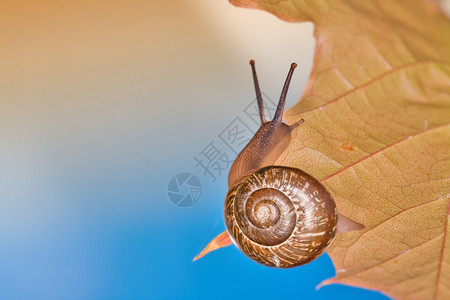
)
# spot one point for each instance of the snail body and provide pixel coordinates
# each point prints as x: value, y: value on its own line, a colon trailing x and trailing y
x: 278, y: 216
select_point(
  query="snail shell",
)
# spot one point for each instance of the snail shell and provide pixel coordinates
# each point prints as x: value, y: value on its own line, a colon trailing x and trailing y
x: 281, y: 217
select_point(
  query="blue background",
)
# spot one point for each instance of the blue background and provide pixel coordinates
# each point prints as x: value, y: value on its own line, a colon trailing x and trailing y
x: 101, y: 104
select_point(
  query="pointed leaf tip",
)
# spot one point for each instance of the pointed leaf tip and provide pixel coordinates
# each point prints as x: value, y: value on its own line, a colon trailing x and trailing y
x: 220, y: 241
x: 325, y: 283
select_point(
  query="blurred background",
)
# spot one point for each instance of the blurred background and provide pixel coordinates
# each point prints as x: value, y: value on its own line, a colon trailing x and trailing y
x: 102, y: 103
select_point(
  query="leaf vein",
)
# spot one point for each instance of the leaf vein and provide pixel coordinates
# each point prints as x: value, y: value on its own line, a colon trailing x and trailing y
x: 393, y: 216
x: 426, y: 130
x: 391, y: 258
x: 387, y: 73
x: 438, y: 276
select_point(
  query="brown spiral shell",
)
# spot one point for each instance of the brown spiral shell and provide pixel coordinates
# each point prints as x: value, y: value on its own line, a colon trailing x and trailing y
x: 280, y: 217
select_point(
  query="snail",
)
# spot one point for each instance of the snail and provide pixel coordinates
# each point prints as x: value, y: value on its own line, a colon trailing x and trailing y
x: 278, y: 216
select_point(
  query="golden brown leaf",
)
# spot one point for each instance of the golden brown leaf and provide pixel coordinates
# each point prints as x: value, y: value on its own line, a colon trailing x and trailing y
x: 220, y: 241
x: 377, y: 134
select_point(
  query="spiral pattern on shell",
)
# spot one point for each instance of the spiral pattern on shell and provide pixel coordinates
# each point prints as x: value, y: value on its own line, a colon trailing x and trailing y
x: 281, y: 217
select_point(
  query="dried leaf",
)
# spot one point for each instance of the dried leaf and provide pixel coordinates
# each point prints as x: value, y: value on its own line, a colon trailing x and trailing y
x: 220, y: 241
x: 377, y: 134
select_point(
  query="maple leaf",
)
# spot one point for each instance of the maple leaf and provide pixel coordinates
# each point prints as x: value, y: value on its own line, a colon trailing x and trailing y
x: 377, y: 135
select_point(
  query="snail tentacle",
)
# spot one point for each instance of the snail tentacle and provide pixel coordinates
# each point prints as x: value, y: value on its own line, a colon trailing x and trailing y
x: 261, y: 108
x: 278, y: 116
